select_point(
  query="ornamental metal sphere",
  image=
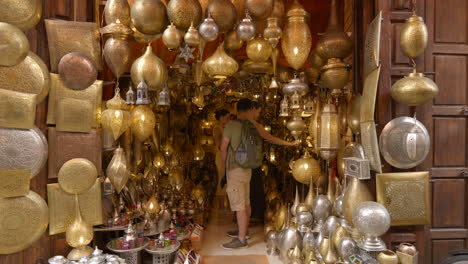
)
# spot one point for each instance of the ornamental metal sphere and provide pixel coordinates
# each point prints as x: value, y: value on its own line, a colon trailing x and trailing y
x: 371, y: 219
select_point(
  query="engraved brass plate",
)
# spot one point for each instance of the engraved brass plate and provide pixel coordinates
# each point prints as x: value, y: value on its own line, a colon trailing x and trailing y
x: 369, y: 95
x: 65, y: 146
x: 14, y: 183
x: 17, y: 110
x: 59, y: 91
x: 62, y: 207
x: 74, y: 115
x: 371, y: 145
x: 29, y: 76
x: 22, y: 222
x: 372, y: 45
x: 68, y: 36
x: 77, y: 175
x: 406, y: 197
x: 24, y: 14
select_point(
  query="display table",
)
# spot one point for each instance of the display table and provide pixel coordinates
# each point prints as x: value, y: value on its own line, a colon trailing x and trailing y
x: 131, y: 256
x: 163, y: 255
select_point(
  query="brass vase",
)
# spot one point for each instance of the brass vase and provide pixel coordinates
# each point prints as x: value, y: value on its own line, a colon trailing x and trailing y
x: 335, y: 43
x: 172, y: 37
x: 387, y: 257
x: 414, y: 89
x: 273, y: 31
x: 150, y: 68
x: 258, y: 49
x: 79, y: 233
x: 117, y: 170
x: 115, y: 119
x: 143, y: 122
x: 117, y: 54
x: 309, y: 200
x: 149, y: 16
x: 413, y: 36
x: 184, y: 12
x: 356, y: 193
x: 334, y: 75
x: 224, y: 14
x: 296, y: 41
x: 117, y: 10
x: 330, y: 256
x: 259, y: 9
x: 220, y: 65
x: 331, y: 189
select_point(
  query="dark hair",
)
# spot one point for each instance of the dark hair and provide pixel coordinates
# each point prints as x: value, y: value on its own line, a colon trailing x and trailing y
x: 256, y: 105
x: 221, y: 112
x: 244, y: 105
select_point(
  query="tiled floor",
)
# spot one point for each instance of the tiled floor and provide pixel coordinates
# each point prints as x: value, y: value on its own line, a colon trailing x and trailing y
x: 215, y: 235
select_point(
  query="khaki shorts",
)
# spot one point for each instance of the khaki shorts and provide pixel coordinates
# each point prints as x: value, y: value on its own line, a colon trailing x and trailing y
x: 238, y: 188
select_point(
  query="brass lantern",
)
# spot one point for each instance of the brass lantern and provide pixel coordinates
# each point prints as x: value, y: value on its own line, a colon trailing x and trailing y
x: 143, y: 122
x: 220, y: 65
x: 78, y: 235
x: 258, y: 49
x: 272, y: 32
x: 296, y: 125
x: 414, y: 89
x: 198, y: 152
x: 306, y: 169
x: 328, y: 132
x: 413, y: 36
x: 334, y: 74
x: 115, y: 119
x: 150, y: 68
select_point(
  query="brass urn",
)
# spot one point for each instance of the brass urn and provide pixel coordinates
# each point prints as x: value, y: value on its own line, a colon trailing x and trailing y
x: 335, y: 43
x: 414, y: 89
x: 258, y: 49
x: 306, y: 169
x: 117, y: 10
x: 259, y: 9
x: 224, y: 14
x: 150, y: 68
x: 184, y: 12
x: 413, y: 36
x: 220, y: 65
x: 335, y: 74
x: 149, y: 16
x: 296, y: 41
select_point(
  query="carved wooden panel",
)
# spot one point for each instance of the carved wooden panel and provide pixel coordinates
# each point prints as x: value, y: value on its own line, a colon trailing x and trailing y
x: 449, y: 192
x: 451, y: 78
x: 441, y: 248
x: 449, y: 141
x: 450, y: 23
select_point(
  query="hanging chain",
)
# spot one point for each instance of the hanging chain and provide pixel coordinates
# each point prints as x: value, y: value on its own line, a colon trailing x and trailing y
x: 413, y: 6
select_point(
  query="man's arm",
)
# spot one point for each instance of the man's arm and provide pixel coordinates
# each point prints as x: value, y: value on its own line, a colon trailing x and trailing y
x: 218, y: 137
x: 224, y: 148
x: 270, y: 138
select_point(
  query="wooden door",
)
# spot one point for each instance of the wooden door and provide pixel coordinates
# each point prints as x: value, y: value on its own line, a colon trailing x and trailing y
x: 445, y: 61
x: 48, y: 246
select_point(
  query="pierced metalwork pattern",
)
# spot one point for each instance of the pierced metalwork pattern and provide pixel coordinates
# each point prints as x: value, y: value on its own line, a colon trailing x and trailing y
x: 372, y: 45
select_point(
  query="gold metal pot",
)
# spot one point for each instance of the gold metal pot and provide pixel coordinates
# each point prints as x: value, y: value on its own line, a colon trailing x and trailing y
x: 220, y: 65
x: 413, y: 36
x: 259, y: 9
x: 117, y: 54
x: 150, y: 68
x: 335, y: 74
x: 172, y: 37
x: 387, y: 257
x: 356, y: 193
x: 258, y: 49
x: 184, y: 12
x: 149, y: 16
x: 306, y: 169
x: 117, y: 10
x: 330, y: 256
x: 15, y: 47
x: 335, y: 43
x: 414, y: 89
x: 296, y: 41
x: 353, y: 114
x: 224, y: 14
x: 143, y: 122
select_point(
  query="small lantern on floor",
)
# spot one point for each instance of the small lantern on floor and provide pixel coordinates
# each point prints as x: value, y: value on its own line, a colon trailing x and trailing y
x: 284, y: 107
x: 130, y: 96
x: 142, y: 93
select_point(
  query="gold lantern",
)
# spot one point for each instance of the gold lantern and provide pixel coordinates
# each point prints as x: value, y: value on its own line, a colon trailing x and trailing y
x: 150, y: 68
x: 272, y: 32
x: 232, y: 41
x: 334, y: 74
x: 259, y: 9
x: 198, y: 152
x: 117, y: 10
x: 296, y: 125
x: 258, y: 49
x: 149, y: 16
x: 78, y: 235
x: 220, y: 65
x: 184, y: 12
x: 159, y: 160
x: 117, y: 170
x: 152, y: 205
x: 115, y: 119
x: 172, y: 37
x: 413, y: 36
x: 306, y: 169
x: 143, y: 122
x: 328, y: 132
x: 297, y: 40
x: 356, y: 193
x: 117, y: 54
x: 223, y: 13
x: 414, y: 89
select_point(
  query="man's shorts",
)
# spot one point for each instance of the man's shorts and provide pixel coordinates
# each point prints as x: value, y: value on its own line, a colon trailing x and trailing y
x: 238, y: 188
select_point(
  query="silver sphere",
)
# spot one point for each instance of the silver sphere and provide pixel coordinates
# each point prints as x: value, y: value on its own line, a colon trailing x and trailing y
x: 208, y: 29
x: 371, y: 219
x: 304, y: 220
x: 347, y: 248
x: 331, y: 225
x: 308, y: 241
x: 321, y: 208
x: 246, y: 29
x: 338, y: 206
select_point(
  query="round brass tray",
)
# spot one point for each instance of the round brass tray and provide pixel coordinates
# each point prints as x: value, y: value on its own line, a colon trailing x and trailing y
x: 15, y: 46
x: 29, y: 76
x: 77, y: 175
x: 23, y: 149
x: 24, y: 14
x: 22, y: 222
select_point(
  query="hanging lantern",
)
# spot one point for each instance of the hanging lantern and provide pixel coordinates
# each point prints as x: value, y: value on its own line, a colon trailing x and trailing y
x: 117, y: 10
x: 150, y: 68
x: 172, y: 37
x: 295, y: 101
x: 164, y: 97
x: 260, y: 9
x: 334, y: 75
x: 306, y: 169
x: 414, y: 89
x: 295, y: 85
x: 116, y: 118
x: 232, y: 41
x: 258, y: 50
x: 168, y: 149
x: 152, y: 205
x: 78, y: 235
x: 413, y: 36
x: 328, y: 132
x: 209, y: 30
x: 149, y: 16
x: 192, y: 37
x: 284, y: 108
x: 296, y: 125
x: 130, y: 96
x: 184, y: 12
x: 117, y: 54
x: 143, y: 122
x: 223, y: 13
x: 297, y: 40
x: 246, y: 29
x: 117, y: 170
x: 198, y: 152
x: 159, y: 161
x: 142, y: 93
x: 220, y: 65
x: 308, y: 108
x: 272, y: 32
x: 273, y: 84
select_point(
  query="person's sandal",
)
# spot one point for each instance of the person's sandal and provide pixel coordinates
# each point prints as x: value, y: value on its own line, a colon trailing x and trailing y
x: 235, y: 244
x: 235, y: 234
